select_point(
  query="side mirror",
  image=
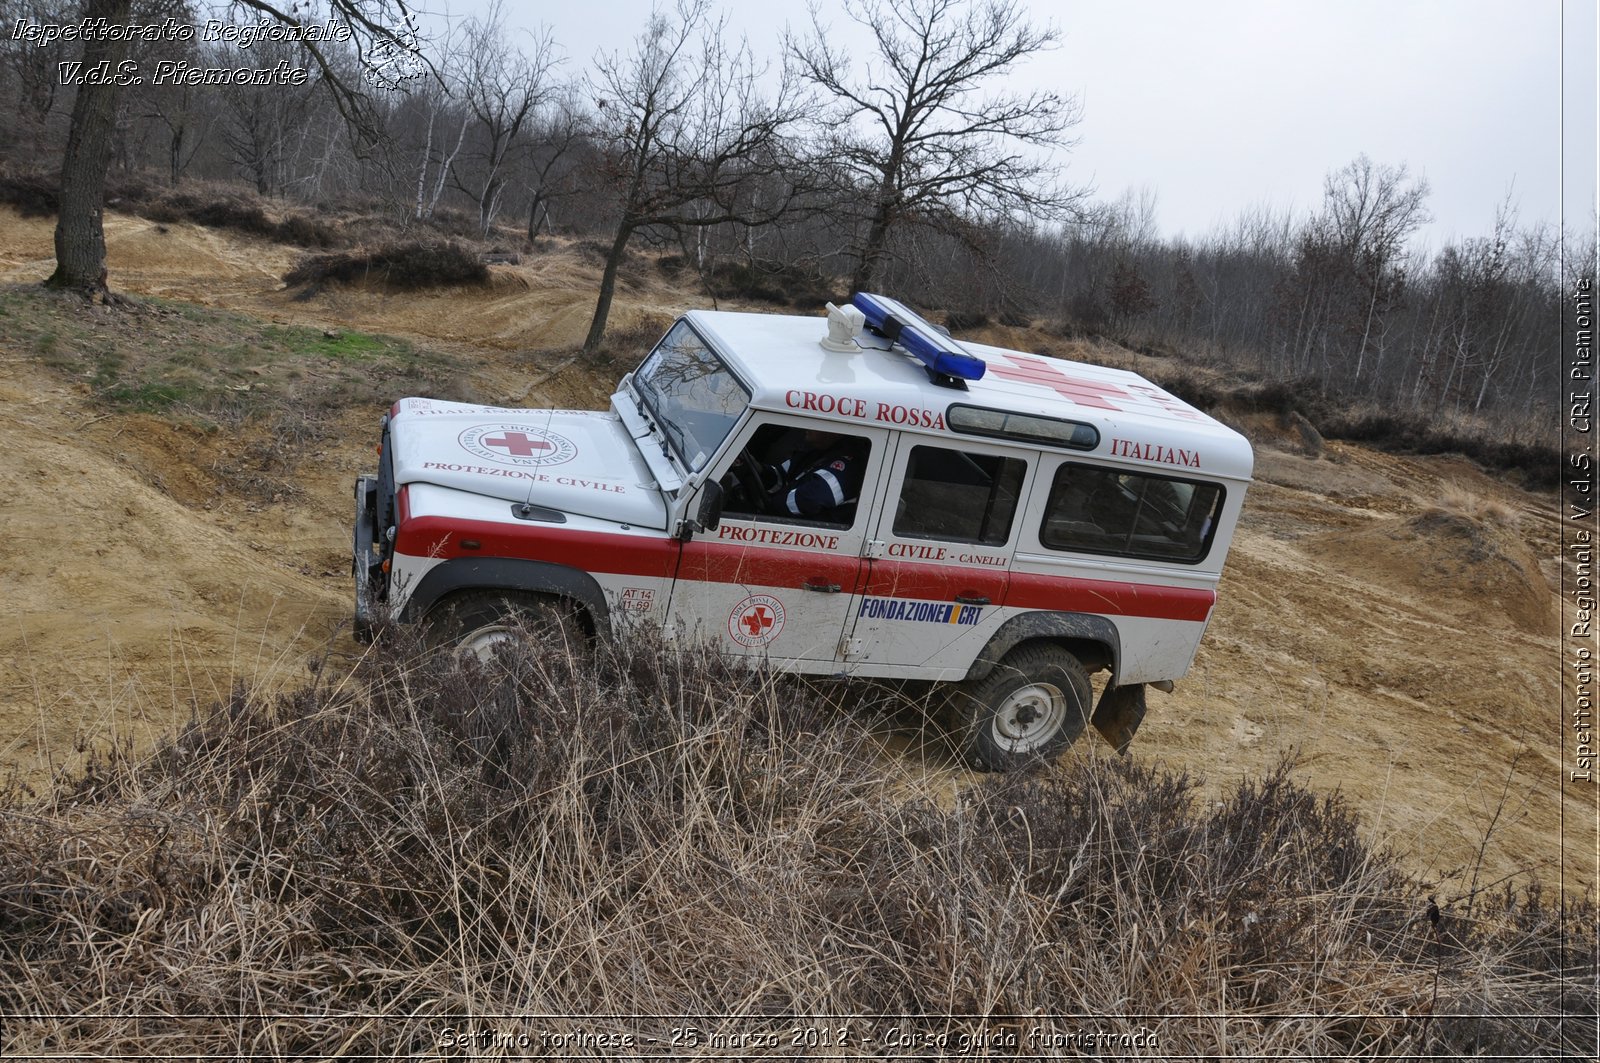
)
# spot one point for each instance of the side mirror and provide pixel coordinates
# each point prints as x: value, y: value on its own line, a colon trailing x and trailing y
x: 709, y: 515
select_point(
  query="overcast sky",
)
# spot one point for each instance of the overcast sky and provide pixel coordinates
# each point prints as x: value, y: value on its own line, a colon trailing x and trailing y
x: 1217, y: 106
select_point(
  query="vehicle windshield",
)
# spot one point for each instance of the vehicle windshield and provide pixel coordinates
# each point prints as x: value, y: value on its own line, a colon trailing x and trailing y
x: 694, y: 397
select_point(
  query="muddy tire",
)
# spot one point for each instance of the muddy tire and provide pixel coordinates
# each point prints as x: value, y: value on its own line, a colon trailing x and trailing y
x: 1030, y: 707
x: 472, y: 624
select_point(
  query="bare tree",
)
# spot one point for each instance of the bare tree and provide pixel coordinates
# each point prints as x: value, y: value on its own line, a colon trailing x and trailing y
x: 383, y: 31
x: 260, y: 123
x: 503, y: 88
x: 549, y: 172
x: 922, y: 132
x: 177, y: 108
x: 1100, y: 241
x: 1488, y: 295
x: 1129, y: 294
x: 80, y: 237
x: 30, y: 72
x: 1351, y: 262
x: 175, y: 112
x: 435, y: 161
x: 686, y: 135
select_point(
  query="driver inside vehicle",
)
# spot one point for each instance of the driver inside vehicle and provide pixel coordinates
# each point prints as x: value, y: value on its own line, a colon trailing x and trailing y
x: 805, y: 475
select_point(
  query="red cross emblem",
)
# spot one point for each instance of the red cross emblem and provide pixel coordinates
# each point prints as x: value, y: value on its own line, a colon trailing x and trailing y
x: 756, y: 620
x: 1027, y: 370
x: 1082, y: 390
x: 517, y: 443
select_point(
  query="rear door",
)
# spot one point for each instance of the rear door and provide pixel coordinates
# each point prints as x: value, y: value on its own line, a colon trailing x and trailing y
x: 940, y: 552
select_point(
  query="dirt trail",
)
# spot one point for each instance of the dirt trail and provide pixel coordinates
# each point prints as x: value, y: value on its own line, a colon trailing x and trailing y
x: 1391, y: 619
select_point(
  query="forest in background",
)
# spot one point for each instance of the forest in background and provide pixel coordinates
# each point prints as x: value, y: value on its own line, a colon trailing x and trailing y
x: 782, y: 176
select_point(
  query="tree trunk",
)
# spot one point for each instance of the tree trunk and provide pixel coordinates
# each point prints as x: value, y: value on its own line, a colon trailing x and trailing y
x: 1366, y: 332
x: 883, y: 214
x: 866, y: 275
x: 536, y: 216
x: 608, y: 286
x: 422, y: 171
x: 488, y: 205
x: 175, y: 156
x: 80, y: 235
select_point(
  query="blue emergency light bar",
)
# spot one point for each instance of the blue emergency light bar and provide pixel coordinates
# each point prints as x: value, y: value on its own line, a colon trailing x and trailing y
x: 948, y: 364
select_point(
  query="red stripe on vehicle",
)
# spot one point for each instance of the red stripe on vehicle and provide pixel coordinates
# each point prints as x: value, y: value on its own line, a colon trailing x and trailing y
x: 1030, y: 590
x: 730, y: 563
x: 931, y: 581
x: 623, y: 555
x: 605, y: 553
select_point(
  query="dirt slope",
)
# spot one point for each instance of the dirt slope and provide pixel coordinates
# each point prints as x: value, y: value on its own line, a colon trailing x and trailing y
x: 1391, y: 619
x: 1388, y: 618
x: 127, y: 603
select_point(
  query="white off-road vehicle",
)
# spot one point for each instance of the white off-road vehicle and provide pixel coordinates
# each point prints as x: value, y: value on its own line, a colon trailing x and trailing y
x: 859, y: 497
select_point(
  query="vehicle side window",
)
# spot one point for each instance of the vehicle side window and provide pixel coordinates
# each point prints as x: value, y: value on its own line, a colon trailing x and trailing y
x: 797, y: 476
x: 949, y: 494
x: 1106, y: 511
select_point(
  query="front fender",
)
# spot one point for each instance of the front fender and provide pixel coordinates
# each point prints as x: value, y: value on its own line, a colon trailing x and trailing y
x: 509, y: 574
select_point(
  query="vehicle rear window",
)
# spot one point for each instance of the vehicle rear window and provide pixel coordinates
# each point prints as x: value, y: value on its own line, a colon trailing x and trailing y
x: 960, y: 497
x: 1096, y: 510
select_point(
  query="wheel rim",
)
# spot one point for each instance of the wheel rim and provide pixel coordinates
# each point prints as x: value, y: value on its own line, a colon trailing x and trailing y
x: 1030, y: 717
x: 481, y: 643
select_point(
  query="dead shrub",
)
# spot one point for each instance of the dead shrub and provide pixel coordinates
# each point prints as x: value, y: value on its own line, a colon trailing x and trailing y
x: 965, y: 320
x: 762, y: 280
x: 219, y: 209
x: 622, y: 348
x: 305, y: 231
x: 651, y: 829
x: 35, y: 195
x: 404, y: 267
x: 1539, y: 466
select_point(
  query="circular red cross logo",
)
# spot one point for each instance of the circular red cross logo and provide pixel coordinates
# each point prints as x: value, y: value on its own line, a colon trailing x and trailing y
x: 517, y: 444
x: 756, y: 620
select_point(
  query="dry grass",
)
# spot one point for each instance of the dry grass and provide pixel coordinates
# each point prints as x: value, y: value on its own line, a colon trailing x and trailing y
x: 1457, y: 500
x: 413, y: 849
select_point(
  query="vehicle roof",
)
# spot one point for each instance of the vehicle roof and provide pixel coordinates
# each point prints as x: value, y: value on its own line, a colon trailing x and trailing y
x: 782, y: 360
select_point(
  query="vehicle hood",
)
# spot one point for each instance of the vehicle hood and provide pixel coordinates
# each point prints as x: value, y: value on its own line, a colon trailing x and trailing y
x: 576, y: 461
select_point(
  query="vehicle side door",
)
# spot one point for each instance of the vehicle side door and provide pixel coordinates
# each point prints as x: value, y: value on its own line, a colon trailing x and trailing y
x: 769, y: 582
x: 941, y: 552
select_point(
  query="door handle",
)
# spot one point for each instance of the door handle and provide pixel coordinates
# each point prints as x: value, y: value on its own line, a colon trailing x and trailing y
x: 815, y: 584
x: 972, y: 599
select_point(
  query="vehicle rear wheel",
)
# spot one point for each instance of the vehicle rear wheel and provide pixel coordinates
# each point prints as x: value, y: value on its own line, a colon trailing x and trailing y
x: 1030, y: 707
x: 475, y: 623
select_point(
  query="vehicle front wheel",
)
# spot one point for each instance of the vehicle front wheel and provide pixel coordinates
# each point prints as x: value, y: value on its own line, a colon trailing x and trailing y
x: 1028, y: 708
x: 475, y: 623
